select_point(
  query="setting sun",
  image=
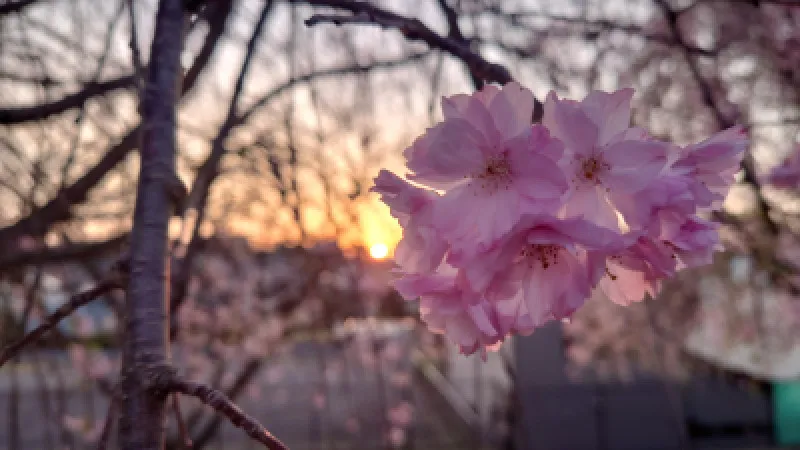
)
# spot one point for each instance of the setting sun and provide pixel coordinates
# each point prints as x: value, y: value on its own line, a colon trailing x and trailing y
x: 379, y: 251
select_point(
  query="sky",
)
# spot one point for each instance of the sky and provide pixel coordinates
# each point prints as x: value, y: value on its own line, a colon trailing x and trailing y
x: 397, y: 108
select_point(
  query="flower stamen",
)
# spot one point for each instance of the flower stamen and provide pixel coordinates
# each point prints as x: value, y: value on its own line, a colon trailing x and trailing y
x: 591, y: 170
x: 545, y: 254
x: 495, y: 174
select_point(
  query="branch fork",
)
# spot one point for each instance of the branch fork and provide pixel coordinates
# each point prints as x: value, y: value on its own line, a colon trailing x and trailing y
x: 164, y: 380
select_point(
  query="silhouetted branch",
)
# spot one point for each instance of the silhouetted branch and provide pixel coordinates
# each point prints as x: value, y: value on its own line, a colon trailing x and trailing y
x: 44, y: 80
x: 218, y: 13
x: 244, y: 378
x: 111, y: 415
x: 12, y: 6
x: 454, y: 32
x: 51, y: 255
x: 593, y: 26
x: 208, y: 172
x: 184, y: 433
x: 76, y: 100
x: 324, y: 73
x: 224, y: 406
x: 180, y: 275
x: 38, y: 222
x: 143, y: 412
x: 748, y: 165
x: 75, y: 302
x: 136, y: 54
x: 412, y: 29
x: 415, y: 30
x: 107, y: 42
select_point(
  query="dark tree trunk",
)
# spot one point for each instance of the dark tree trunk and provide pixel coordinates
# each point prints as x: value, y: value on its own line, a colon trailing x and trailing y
x: 145, y: 345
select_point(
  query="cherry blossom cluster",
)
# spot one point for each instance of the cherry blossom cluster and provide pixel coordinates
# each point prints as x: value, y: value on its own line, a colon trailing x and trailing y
x: 508, y: 225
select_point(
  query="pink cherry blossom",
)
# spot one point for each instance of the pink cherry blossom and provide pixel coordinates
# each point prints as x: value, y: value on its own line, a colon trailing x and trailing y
x: 513, y: 225
x: 603, y: 157
x: 661, y: 207
x: 787, y: 175
x: 712, y: 164
x: 401, y: 415
x: 695, y: 242
x: 544, y: 269
x: 421, y: 249
x: 449, y: 307
x: 663, y: 214
x: 638, y: 270
x: 486, y: 154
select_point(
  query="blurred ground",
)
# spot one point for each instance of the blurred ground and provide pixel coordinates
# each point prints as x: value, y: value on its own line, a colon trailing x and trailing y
x: 356, y: 408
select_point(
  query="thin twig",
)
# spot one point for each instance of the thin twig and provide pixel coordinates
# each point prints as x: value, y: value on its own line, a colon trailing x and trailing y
x: 748, y: 165
x: 225, y: 406
x: 209, y: 170
x: 14, y: 115
x: 176, y: 405
x: 75, y: 302
x: 415, y: 30
x: 454, y: 32
x: 180, y: 272
x: 136, y: 54
x: 592, y: 27
x: 14, y: 6
x: 79, y: 120
x: 105, y: 435
x: 57, y: 209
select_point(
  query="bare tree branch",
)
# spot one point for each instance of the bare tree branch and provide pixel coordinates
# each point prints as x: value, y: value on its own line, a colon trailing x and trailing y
x: 223, y: 405
x: 38, y: 222
x: 184, y: 433
x: 94, y: 80
x: 251, y: 368
x: 136, y: 55
x: 39, y: 256
x: 141, y: 424
x: 75, y: 302
x: 748, y: 164
x: 415, y: 30
x: 76, y: 100
x: 454, y: 32
x: 180, y: 274
x: 12, y: 6
x: 594, y: 26
x: 218, y: 13
x: 208, y: 172
x: 111, y: 416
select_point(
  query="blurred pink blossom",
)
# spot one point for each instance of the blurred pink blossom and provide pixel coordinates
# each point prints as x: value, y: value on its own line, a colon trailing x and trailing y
x: 401, y: 415
x: 397, y: 436
x: 787, y: 175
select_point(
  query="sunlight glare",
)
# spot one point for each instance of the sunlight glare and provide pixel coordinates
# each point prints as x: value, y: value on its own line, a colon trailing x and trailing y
x: 379, y: 251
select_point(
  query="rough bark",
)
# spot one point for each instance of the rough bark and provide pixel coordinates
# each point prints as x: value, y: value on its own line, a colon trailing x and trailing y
x: 146, y: 345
